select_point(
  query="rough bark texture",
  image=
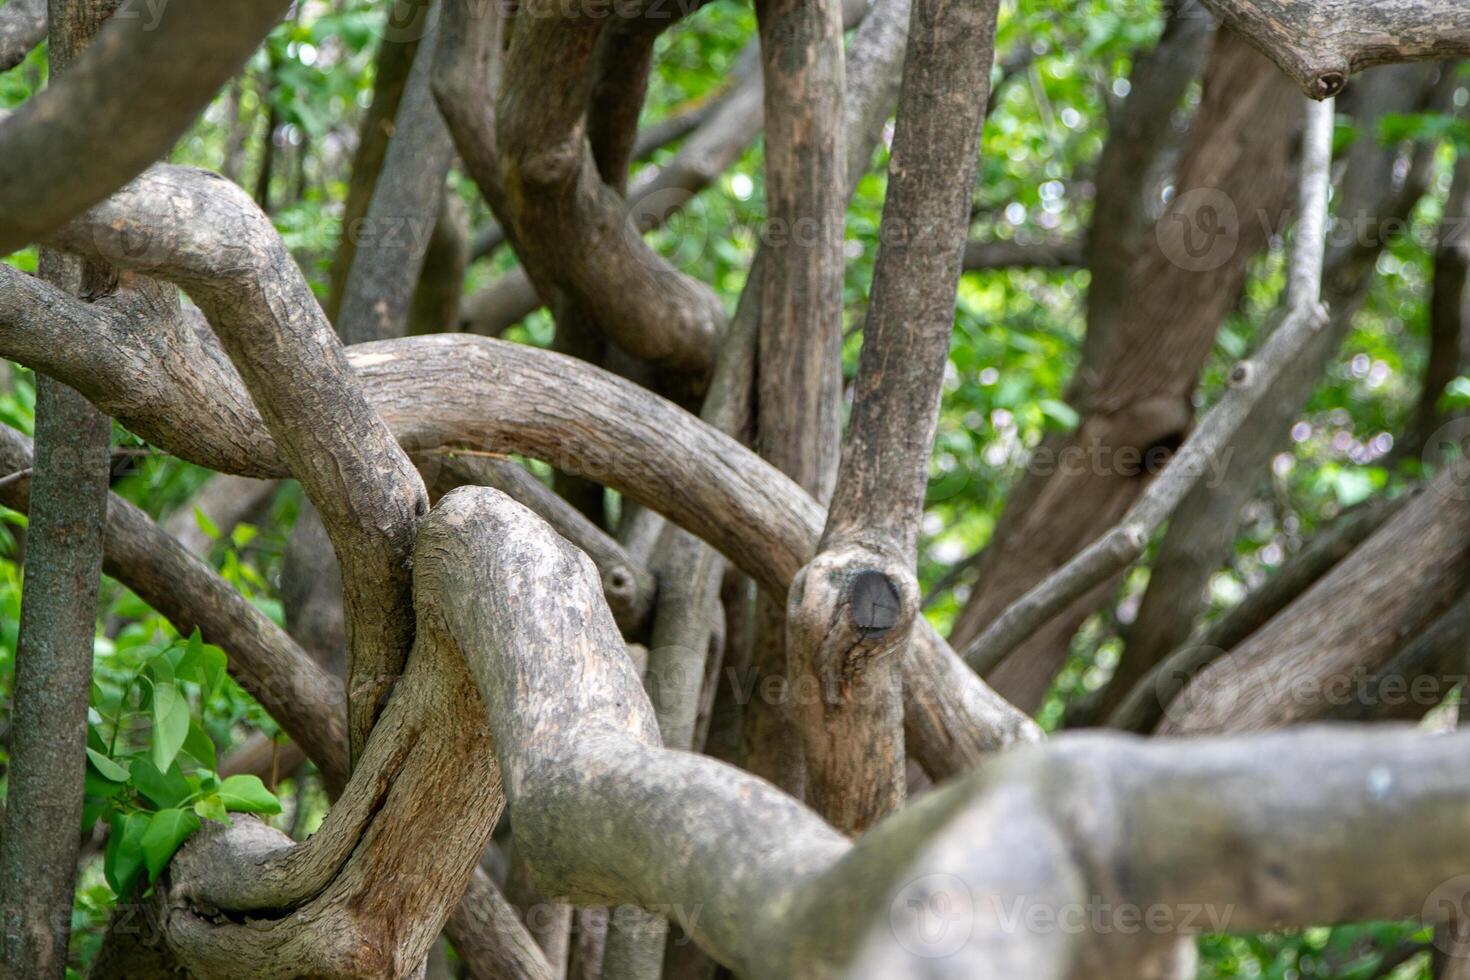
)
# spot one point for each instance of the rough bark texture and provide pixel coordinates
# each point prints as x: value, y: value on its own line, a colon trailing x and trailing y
x: 1141, y: 706
x: 206, y: 236
x: 22, y: 27
x: 763, y: 885
x: 1319, y: 44
x: 798, y: 405
x: 854, y: 606
x: 53, y: 674
x: 390, y: 78
x: 1133, y: 390
x: 453, y: 391
x: 570, y: 227
x: 58, y: 618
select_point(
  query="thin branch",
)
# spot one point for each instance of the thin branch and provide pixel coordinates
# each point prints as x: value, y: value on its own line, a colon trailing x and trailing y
x: 1144, y: 703
x: 394, y: 235
x: 1249, y: 380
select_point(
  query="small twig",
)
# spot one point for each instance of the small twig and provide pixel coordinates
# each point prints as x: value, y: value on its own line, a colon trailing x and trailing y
x: 1249, y: 381
x: 10, y: 478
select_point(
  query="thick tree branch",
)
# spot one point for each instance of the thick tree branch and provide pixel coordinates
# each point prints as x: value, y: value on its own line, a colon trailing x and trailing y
x: 1149, y: 331
x: 628, y: 586
x: 1319, y: 43
x: 58, y: 616
x: 855, y: 605
x: 1101, y: 819
x: 1373, y: 198
x: 1312, y: 655
x: 134, y: 92
x: 570, y: 228
x: 205, y: 235
x: 460, y: 392
x: 1249, y: 380
x: 1142, y: 705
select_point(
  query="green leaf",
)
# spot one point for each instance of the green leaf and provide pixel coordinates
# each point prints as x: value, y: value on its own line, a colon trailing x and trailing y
x: 203, y: 663
x: 166, y: 831
x: 206, y: 525
x: 170, y: 723
x: 123, y: 861
x: 164, y: 788
x: 199, y: 745
x: 247, y: 794
x: 212, y: 808
x: 107, y: 768
x: 1060, y: 412
x: 242, y: 535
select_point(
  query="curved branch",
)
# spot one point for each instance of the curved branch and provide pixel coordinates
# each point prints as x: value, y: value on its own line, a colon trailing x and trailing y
x: 1319, y: 43
x: 855, y: 604
x: 570, y: 228
x: 134, y: 91
x: 460, y: 392
x: 767, y: 888
x: 292, y: 688
x: 205, y: 235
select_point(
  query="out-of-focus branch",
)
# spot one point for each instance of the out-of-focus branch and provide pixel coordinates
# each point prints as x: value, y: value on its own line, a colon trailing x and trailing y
x: 1249, y: 380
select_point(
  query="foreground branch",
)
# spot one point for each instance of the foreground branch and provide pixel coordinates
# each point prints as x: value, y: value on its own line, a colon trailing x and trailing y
x: 766, y: 887
x: 205, y: 235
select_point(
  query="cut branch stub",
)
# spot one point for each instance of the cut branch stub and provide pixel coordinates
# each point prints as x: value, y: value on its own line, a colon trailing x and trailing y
x: 851, y: 611
x: 1320, y: 43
